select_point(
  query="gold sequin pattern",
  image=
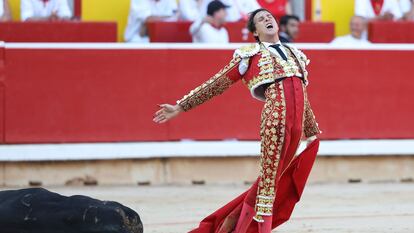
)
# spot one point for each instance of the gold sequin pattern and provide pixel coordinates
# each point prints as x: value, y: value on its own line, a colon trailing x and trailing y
x: 214, y: 86
x: 272, y: 133
x: 310, y: 126
x: 248, y: 50
x: 274, y: 68
x: 302, y: 60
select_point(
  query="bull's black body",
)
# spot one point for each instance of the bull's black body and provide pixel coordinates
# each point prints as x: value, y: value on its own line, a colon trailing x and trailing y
x: 36, y: 210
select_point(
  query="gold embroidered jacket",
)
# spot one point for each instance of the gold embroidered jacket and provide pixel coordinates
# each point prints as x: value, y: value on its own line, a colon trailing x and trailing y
x: 255, y: 66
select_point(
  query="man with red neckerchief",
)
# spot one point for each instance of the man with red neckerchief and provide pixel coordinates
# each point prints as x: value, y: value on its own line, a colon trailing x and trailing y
x: 378, y: 9
x: 278, y: 8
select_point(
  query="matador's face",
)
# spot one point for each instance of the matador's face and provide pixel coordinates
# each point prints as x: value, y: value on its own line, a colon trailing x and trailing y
x: 266, y: 24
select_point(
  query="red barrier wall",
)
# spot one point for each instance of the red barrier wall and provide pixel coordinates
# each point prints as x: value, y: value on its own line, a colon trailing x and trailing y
x: 2, y: 88
x: 391, y: 32
x: 79, y: 95
x: 70, y: 31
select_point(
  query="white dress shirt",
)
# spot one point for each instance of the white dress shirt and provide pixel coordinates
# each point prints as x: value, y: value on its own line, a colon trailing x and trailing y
x: 405, y: 5
x: 192, y: 9
x: 364, y: 8
x: 207, y: 33
x: 140, y: 10
x: 237, y: 8
x: 349, y: 40
x: 1, y: 8
x: 38, y: 8
x: 273, y: 51
x: 244, y: 63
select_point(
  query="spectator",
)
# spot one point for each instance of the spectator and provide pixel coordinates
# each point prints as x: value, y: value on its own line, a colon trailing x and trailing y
x: 210, y: 29
x: 192, y: 9
x: 407, y: 8
x: 45, y: 10
x: 142, y: 11
x: 288, y: 28
x: 358, y: 26
x: 239, y: 9
x: 5, y: 14
x: 378, y: 9
x: 278, y: 8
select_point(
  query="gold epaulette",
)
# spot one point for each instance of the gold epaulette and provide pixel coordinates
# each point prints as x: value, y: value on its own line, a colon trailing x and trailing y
x: 299, y: 54
x: 247, y: 51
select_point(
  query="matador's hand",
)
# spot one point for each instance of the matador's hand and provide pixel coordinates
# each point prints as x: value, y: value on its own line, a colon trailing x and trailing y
x: 166, y: 112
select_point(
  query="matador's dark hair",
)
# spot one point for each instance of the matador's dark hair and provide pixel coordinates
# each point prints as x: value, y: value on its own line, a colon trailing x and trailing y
x: 250, y: 22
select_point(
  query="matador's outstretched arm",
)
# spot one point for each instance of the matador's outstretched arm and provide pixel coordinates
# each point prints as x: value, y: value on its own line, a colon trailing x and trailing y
x: 214, y: 86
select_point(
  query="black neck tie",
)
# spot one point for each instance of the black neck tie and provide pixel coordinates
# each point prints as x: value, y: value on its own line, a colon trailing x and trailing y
x: 277, y: 47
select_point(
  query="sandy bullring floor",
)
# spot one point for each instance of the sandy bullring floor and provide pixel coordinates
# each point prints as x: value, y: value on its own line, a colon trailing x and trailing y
x: 324, y: 208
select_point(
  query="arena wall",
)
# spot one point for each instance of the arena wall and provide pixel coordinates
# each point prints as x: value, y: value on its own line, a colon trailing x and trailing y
x: 198, y: 170
x: 109, y: 92
x: 56, y: 97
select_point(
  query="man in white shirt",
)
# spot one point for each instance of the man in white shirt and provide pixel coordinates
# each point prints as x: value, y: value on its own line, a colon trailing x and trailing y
x: 358, y: 26
x: 407, y: 8
x: 210, y: 29
x: 5, y: 14
x: 45, y: 10
x: 378, y: 9
x: 239, y: 9
x: 142, y: 11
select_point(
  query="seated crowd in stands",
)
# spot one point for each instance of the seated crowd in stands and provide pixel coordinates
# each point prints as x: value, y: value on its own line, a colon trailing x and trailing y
x: 368, y: 10
x: 208, y: 26
x: 38, y: 10
x: 209, y: 16
x: 385, y: 9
